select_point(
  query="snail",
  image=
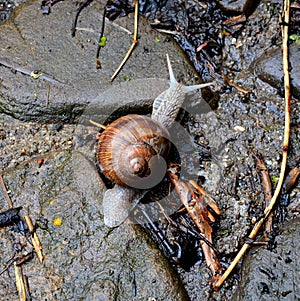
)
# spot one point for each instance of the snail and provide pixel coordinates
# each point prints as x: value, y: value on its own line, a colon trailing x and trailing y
x: 132, y: 151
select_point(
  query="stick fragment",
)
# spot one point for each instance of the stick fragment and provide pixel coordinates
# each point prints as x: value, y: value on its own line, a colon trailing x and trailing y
x: 20, y: 282
x: 210, y: 201
x: 5, y: 192
x: 99, y: 125
x: 34, y: 239
x: 134, y: 43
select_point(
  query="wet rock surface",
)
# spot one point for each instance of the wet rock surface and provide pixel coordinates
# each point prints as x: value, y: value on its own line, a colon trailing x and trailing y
x: 240, y: 123
x: 241, y: 6
x: 273, y: 275
x: 69, y: 77
x: 269, y: 69
x: 83, y: 258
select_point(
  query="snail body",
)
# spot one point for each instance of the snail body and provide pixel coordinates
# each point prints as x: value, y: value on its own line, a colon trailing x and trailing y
x: 132, y: 151
x: 167, y: 105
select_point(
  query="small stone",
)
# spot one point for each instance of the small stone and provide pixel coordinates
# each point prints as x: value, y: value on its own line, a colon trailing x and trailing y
x: 263, y: 266
x: 268, y: 68
x: 239, y: 6
x: 239, y: 128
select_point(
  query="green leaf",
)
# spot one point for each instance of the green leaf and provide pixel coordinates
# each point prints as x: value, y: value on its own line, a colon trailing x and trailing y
x: 126, y: 78
x: 294, y: 37
x: 274, y: 180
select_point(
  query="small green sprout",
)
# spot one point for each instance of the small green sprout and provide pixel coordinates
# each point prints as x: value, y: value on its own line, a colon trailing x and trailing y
x: 126, y: 78
x: 274, y: 180
x: 294, y: 37
x: 102, y: 42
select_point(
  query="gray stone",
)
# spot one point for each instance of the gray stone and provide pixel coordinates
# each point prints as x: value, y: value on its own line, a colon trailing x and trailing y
x: 240, y: 6
x: 273, y: 275
x: 32, y: 41
x: 84, y: 260
x: 268, y: 68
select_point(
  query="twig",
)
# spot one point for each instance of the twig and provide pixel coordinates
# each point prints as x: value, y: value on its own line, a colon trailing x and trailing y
x: 5, y: 192
x: 219, y: 77
x: 80, y: 8
x: 99, y: 125
x: 204, y: 5
x: 210, y: 201
x: 98, y: 64
x: 18, y: 260
x: 34, y: 239
x: 27, y: 288
x: 231, y: 83
x: 8, y: 264
x: 120, y: 27
x: 85, y: 29
x: 36, y: 74
x: 20, y: 282
x: 287, y: 99
x: 171, y: 32
x: 134, y: 43
x: 159, y: 234
x: 235, y: 20
x: 286, y: 17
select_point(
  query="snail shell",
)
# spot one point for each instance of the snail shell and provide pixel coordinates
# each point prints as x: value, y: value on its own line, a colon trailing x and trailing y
x: 132, y: 151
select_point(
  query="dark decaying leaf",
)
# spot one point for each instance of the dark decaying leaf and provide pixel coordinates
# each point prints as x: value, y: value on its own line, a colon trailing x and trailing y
x: 10, y: 217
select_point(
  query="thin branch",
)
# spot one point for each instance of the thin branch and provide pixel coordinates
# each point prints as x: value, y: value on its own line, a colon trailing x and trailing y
x: 134, y: 43
x: 99, y: 125
x: 80, y: 8
x: 2, y: 184
x: 20, y: 282
x: 98, y: 64
x: 199, y: 214
x: 34, y: 239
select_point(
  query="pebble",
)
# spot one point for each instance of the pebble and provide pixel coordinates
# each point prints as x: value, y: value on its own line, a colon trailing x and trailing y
x: 268, y: 68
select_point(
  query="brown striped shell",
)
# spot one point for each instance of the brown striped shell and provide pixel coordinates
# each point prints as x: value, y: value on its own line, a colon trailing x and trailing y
x: 132, y: 151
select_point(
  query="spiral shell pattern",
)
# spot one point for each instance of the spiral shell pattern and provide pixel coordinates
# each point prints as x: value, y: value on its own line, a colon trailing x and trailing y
x: 132, y: 151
